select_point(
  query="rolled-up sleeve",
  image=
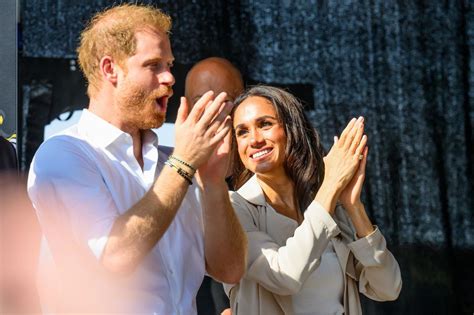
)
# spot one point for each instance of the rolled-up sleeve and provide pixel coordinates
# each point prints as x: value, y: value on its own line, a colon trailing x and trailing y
x: 379, y: 273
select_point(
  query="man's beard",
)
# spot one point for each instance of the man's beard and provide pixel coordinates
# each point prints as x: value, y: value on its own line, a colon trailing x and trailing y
x: 138, y: 106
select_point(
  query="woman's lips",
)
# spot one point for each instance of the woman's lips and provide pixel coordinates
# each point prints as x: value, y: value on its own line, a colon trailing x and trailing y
x: 261, y: 154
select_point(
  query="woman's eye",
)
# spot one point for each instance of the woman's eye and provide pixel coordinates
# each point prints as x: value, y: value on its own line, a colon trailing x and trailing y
x: 266, y: 124
x: 240, y: 132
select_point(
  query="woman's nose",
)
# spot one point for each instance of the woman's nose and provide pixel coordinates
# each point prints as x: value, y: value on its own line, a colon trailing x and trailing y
x: 256, y: 138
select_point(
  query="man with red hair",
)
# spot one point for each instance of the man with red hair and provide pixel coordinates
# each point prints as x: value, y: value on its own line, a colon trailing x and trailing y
x: 130, y: 226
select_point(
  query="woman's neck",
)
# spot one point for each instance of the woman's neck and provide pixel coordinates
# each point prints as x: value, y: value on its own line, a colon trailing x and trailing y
x: 280, y: 194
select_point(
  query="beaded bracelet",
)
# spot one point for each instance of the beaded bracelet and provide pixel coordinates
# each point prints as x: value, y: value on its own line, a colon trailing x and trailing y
x: 182, y: 162
x: 188, y: 177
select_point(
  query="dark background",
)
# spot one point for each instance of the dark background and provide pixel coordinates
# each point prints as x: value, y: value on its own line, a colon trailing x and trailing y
x: 8, y: 66
x: 406, y: 66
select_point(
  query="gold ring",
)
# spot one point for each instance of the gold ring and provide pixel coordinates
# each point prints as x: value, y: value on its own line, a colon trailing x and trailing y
x: 361, y: 157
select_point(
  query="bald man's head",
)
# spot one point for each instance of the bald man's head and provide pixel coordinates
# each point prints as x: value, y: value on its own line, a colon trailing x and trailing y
x: 216, y: 74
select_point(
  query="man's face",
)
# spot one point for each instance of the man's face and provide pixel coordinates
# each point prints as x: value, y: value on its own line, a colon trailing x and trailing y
x: 144, y: 84
x: 213, y: 79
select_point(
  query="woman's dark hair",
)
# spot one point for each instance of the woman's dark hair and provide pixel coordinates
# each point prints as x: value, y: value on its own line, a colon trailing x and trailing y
x: 304, y: 153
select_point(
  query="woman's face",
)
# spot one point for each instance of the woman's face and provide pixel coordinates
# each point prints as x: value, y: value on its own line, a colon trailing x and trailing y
x: 261, y: 138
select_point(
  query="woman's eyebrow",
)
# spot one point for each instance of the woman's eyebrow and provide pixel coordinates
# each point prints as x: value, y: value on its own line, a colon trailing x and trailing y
x: 259, y: 119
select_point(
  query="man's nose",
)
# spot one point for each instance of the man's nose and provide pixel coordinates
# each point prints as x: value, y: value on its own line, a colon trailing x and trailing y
x: 167, y: 78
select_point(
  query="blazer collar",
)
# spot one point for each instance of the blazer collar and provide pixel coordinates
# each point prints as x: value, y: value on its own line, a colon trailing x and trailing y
x: 252, y: 192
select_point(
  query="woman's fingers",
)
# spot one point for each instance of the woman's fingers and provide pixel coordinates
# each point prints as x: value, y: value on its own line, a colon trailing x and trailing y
x: 347, y: 130
x: 364, y: 160
x: 351, y: 135
x: 363, y: 163
x: 360, y: 148
x: 359, y: 132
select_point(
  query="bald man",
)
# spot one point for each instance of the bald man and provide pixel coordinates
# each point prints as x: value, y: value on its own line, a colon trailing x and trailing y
x: 218, y: 75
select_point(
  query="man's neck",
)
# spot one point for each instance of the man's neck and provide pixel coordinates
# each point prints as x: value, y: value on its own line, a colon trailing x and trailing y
x: 105, y: 109
x: 137, y: 139
x: 110, y: 114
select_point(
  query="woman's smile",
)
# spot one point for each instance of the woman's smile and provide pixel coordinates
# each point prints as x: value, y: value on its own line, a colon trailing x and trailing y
x: 261, y: 154
x: 261, y: 138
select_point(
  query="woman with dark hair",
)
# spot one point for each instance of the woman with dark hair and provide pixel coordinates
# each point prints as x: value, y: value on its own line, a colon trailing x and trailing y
x: 305, y: 254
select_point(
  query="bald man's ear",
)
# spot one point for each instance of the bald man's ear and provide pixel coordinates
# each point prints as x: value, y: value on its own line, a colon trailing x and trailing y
x: 109, y: 69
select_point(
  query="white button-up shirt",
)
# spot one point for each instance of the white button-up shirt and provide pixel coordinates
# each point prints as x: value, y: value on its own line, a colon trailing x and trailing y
x: 80, y: 181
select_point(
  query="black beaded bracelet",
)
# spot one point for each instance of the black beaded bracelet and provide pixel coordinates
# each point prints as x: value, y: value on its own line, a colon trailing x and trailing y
x: 182, y: 162
x: 188, y: 177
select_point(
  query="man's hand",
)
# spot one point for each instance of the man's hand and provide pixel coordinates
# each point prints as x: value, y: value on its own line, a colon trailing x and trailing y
x: 137, y: 231
x: 199, y: 131
x: 216, y: 168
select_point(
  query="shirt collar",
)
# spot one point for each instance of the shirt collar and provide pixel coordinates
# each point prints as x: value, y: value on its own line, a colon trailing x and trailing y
x: 252, y: 192
x: 102, y: 133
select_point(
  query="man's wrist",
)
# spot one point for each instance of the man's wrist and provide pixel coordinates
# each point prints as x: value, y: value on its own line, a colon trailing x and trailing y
x: 212, y: 183
x: 183, y: 173
x: 191, y: 168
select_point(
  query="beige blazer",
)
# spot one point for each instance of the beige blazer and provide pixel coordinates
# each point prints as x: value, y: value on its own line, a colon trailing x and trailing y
x: 281, y: 259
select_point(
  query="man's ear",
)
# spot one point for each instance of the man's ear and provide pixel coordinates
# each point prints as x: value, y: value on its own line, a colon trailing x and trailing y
x: 109, y: 69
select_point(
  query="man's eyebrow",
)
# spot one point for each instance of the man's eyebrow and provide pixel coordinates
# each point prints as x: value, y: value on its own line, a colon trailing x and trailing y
x: 151, y: 60
x: 156, y: 59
